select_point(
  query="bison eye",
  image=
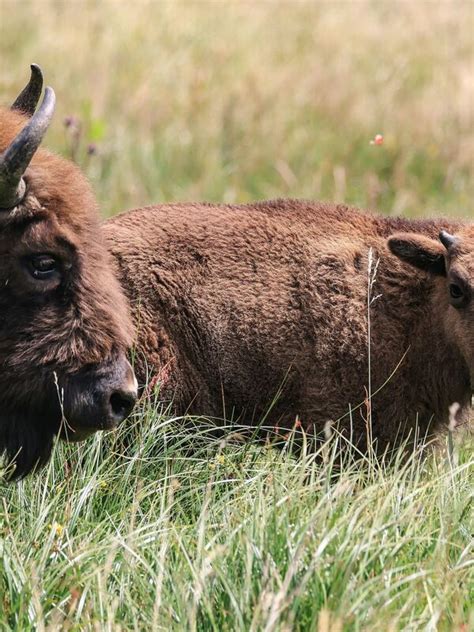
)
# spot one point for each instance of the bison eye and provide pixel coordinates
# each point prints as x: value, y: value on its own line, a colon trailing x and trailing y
x: 457, y: 295
x: 42, y: 267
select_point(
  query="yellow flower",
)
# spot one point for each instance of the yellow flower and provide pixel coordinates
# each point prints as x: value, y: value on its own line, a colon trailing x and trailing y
x: 219, y: 460
x: 57, y: 528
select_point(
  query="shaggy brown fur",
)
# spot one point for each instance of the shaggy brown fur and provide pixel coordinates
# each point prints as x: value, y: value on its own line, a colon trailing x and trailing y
x: 74, y: 327
x: 235, y: 305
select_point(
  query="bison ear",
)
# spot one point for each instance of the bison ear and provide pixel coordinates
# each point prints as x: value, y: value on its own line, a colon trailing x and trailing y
x: 419, y: 251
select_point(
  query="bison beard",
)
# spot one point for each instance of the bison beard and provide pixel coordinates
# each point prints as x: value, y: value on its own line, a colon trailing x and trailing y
x: 27, y: 432
x: 27, y: 441
x: 71, y: 407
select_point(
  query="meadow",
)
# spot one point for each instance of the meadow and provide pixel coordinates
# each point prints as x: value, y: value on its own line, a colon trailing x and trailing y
x: 160, y: 526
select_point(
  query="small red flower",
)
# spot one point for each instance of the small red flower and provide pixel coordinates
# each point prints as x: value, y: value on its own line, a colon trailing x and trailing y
x: 377, y: 140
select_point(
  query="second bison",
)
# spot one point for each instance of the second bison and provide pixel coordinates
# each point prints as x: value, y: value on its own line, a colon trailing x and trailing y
x: 302, y: 309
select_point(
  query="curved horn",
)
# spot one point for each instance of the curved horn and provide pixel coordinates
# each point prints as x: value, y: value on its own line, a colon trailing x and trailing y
x: 15, y: 160
x: 28, y: 98
x: 447, y: 239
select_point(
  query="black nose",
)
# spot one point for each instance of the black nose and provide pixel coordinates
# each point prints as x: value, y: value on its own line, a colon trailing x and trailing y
x: 101, y: 397
x: 121, y: 404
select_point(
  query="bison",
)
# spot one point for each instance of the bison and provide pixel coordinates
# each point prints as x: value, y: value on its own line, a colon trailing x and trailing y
x: 273, y: 311
x: 64, y: 322
x: 291, y: 309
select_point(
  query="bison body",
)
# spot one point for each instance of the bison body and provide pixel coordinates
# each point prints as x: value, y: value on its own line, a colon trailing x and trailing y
x: 270, y: 311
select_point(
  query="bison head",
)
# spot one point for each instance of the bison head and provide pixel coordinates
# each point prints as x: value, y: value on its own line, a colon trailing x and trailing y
x: 64, y: 321
x: 450, y: 259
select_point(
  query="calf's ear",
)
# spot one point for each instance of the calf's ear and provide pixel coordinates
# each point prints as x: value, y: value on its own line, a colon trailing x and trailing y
x: 419, y: 251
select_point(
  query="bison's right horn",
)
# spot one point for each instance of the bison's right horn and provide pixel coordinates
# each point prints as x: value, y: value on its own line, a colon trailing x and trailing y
x: 28, y: 98
x: 447, y: 239
x: 16, y: 158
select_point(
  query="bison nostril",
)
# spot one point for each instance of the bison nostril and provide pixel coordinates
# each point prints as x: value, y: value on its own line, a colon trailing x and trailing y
x: 122, y: 403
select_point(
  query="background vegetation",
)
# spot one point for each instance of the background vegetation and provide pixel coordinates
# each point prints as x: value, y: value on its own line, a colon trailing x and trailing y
x: 236, y: 101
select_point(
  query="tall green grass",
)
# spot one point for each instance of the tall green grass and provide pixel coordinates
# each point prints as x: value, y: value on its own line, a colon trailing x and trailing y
x: 156, y: 527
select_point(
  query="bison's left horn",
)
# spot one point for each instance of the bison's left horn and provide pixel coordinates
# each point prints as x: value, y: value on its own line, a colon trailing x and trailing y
x: 16, y: 158
x: 447, y: 240
x: 28, y: 98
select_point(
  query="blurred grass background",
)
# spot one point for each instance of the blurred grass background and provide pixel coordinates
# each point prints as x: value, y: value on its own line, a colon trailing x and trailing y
x: 236, y: 101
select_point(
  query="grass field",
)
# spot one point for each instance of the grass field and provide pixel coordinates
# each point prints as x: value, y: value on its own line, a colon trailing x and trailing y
x: 132, y: 532
x: 235, y: 101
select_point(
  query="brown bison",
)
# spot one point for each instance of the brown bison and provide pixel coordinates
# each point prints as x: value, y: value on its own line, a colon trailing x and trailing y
x: 64, y: 322
x: 260, y: 312
x: 268, y: 311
